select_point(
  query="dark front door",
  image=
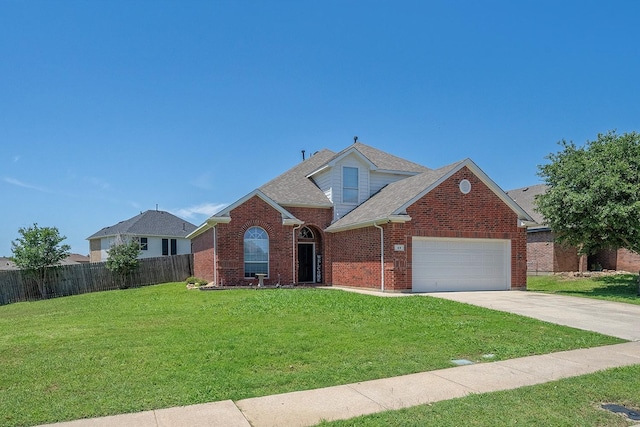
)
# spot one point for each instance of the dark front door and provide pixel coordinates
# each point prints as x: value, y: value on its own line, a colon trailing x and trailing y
x: 305, y: 262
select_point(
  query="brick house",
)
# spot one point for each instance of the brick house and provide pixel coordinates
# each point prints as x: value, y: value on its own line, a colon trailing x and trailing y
x: 546, y: 256
x: 366, y: 218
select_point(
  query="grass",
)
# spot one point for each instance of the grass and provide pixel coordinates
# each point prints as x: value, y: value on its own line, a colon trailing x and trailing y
x: 160, y: 346
x: 569, y: 402
x: 620, y: 287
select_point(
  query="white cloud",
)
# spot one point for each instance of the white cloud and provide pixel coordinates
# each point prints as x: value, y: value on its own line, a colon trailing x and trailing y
x: 16, y: 159
x: 205, y: 209
x: 18, y: 183
x: 202, y: 181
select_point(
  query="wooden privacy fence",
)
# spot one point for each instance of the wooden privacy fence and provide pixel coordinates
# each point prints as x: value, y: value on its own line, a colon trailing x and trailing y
x: 17, y: 286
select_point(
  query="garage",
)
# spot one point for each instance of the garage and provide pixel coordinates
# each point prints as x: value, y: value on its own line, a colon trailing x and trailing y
x: 454, y: 264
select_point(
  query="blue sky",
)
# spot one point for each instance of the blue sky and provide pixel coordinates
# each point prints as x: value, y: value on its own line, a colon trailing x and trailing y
x: 109, y: 108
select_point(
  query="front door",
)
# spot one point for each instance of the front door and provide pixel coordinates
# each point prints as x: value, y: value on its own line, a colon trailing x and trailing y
x: 306, y: 266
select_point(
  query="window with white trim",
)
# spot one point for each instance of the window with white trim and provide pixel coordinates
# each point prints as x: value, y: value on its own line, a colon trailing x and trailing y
x: 144, y: 243
x: 256, y: 252
x: 350, y: 185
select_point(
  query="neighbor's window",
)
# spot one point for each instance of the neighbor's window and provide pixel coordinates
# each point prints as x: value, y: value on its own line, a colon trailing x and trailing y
x: 165, y: 246
x: 144, y: 245
x: 256, y: 252
x: 349, y: 185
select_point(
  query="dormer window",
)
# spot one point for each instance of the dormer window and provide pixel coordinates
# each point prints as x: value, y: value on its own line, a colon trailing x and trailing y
x: 350, y: 185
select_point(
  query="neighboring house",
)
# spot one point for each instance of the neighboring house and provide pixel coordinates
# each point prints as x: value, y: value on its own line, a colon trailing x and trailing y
x: 7, y: 264
x: 366, y: 218
x: 160, y: 234
x: 75, y: 259
x: 546, y: 256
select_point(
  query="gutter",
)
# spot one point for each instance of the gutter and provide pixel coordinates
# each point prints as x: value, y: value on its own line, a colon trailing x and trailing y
x: 211, y: 222
x: 215, y: 255
x: 381, y: 256
x: 293, y: 252
x: 384, y: 220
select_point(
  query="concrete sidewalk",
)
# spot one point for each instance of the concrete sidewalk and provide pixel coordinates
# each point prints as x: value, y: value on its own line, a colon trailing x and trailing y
x: 307, y: 408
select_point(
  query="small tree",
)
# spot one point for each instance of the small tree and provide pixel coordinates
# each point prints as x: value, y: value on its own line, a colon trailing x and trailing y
x: 123, y: 258
x: 38, y: 249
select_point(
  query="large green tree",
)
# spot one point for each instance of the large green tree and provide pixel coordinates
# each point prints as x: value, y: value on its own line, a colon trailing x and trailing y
x: 123, y: 258
x: 593, y: 198
x: 36, y: 250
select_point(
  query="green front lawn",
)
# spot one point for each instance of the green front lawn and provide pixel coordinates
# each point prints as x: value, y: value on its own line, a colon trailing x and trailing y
x: 160, y: 346
x: 569, y: 402
x: 620, y: 287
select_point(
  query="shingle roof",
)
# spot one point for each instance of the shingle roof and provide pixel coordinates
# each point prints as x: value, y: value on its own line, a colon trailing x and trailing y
x: 293, y: 188
x: 525, y: 197
x: 149, y: 223
x: 380, y: 159
x: 393, y: 198
x: 7, y: 264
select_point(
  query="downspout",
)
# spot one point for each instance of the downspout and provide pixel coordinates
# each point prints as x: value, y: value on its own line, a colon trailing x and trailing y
x: 215, y: 255
x: 381, y: 255
x: 293, y: 252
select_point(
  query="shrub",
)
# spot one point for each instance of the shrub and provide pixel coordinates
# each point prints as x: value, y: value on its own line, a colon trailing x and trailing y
x: 195, y: 281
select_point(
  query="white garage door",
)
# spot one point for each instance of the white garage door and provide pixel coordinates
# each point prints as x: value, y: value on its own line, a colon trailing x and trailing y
x: 441, y: 264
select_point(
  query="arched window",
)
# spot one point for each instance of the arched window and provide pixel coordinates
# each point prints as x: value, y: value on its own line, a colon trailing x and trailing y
x: 305, y: 233
x: 256, y: 252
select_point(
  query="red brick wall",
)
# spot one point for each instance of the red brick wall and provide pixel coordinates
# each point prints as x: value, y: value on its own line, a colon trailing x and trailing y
x: 628, y: 261
x: 544, y: 255
x: 356, y: 258
x: 202, y: 248
x: 230, y: 247
x: 565, y: 258
x: 230, y: 241
x: 540, y: 252
x: 443, y: 212
x: 607, y: 259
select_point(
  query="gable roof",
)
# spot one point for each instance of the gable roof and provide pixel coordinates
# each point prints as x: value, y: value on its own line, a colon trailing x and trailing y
x: 149, y: 223
x: 377, y: 159
x: 224, y: 216
x: 293, y: 188
x: 526, y: 198
x: 390, y: 203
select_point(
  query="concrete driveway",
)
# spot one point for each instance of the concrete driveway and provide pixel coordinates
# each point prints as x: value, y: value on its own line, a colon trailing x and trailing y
x: 609, y: 318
